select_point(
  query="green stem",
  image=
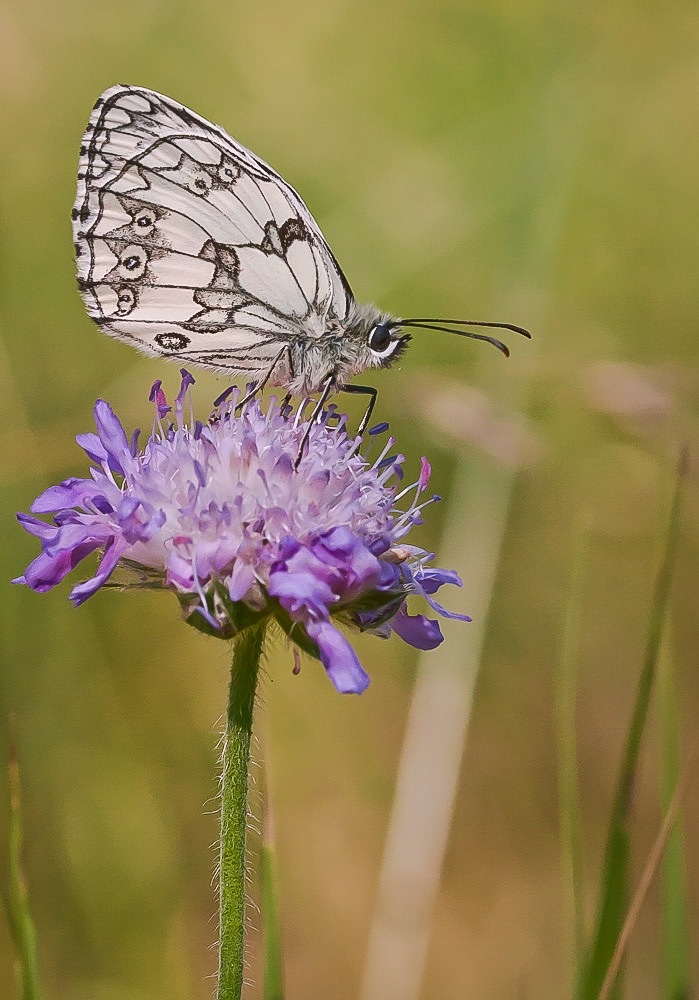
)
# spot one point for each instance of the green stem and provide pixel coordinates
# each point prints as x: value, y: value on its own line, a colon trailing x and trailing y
x: 234, y: 794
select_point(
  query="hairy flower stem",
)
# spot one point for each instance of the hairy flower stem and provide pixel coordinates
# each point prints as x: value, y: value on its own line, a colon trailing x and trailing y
x: 234, y: 794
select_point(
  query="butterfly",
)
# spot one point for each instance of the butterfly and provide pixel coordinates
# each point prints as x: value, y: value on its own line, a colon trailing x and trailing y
x: 189, y: 246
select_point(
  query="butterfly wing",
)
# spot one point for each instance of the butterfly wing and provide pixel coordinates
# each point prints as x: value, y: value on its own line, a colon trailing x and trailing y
x: 189, y: 245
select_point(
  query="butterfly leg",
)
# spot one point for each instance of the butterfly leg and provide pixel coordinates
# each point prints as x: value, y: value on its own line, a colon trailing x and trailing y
x: 259, y: 386
x: 364, y: 390
x: 328, y: 388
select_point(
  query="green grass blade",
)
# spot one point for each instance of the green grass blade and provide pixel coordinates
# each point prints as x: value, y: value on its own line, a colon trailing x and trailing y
x: 615, y: 880
x: 649, y: 872
x: 17, y: 897
x: 675, y: 921
x: 612, y: 908
x: 273, y: 964
x: 568, y: 794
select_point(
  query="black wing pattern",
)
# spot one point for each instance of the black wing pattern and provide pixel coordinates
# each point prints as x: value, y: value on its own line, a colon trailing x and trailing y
x: 189, y: 245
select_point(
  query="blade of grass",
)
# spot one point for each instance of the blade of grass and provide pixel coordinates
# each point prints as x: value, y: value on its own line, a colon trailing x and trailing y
x: 614, y: 893
x: 653, y: 863
x: 675, y: 920
x: 17, y: 898
x: 568, y: 794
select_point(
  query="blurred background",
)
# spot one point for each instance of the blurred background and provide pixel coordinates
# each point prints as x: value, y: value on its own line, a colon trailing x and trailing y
x: 533, y: 162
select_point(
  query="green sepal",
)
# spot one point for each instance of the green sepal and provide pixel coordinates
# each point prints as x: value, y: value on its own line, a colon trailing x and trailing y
x: 238, y: 616
x: 296, y: 632
x: 391, y: 599
x: 379, y: 601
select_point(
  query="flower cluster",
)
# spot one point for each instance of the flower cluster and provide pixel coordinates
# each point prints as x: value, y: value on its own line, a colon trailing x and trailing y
x: 224, y: 514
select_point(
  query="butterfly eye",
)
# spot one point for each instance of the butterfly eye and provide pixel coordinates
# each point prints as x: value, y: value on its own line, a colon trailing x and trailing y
x: 380, y: 340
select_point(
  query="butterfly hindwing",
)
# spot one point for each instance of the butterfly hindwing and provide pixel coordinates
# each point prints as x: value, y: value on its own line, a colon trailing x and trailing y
x: 189, y: 245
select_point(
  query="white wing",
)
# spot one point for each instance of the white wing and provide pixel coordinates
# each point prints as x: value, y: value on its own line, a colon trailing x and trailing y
x: 189, y: 245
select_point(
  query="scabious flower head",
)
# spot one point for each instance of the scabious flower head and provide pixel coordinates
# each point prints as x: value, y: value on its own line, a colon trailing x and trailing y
x: 219, y: 513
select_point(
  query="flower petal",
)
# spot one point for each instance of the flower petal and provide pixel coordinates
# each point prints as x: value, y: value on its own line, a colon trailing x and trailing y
x: 417, y: 630
x: 300, y: 591
x: 431, y: 579
x: 44, y: 572
x: 338, y: 658
x: 113, y: 552
x: 37, y: 527
x: 112, y: 435
x: 136, y: 522
x: 427, y: 581
x: 69, y: 493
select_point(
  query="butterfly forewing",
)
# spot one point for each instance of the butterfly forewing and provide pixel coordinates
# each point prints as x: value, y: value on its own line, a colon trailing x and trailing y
x: 189, y: 245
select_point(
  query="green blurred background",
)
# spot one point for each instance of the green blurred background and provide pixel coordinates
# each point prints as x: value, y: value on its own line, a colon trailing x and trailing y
x: 531, y: 161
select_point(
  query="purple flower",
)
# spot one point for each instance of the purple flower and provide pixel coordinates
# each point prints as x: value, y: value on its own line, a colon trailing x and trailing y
x: 218, y: 513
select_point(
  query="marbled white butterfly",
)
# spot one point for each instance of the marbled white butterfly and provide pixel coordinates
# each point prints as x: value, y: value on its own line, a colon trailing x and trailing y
x: 191, y: 247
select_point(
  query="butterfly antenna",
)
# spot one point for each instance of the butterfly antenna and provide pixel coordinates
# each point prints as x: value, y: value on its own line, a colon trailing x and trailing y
x: 450, y: 326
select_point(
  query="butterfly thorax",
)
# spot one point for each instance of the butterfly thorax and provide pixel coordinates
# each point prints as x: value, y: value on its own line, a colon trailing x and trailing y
x: 341, y: 350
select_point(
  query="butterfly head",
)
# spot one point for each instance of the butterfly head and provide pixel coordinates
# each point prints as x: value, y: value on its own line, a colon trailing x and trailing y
x: 387, y: 332
x: 374, y: 339
x: 371, y: 339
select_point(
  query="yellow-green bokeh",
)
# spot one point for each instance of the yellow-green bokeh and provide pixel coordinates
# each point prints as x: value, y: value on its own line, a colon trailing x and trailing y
x: 530, y: 161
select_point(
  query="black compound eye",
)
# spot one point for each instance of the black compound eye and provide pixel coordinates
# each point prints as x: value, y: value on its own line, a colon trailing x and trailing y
x: 380, y: 339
